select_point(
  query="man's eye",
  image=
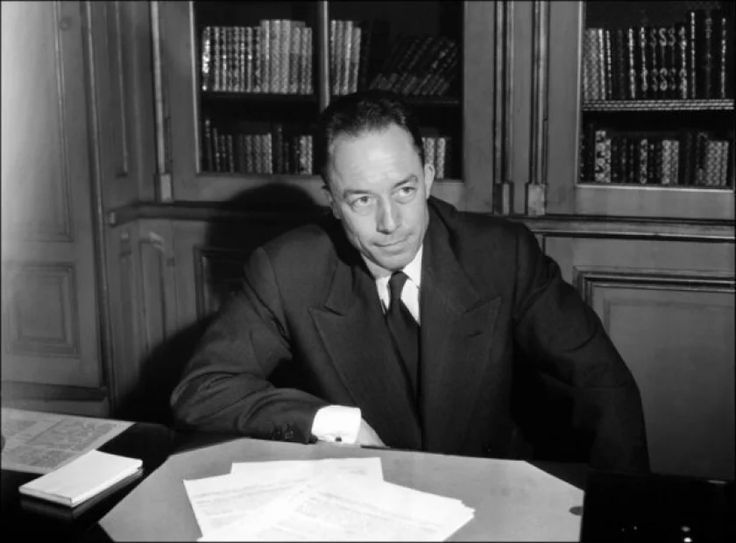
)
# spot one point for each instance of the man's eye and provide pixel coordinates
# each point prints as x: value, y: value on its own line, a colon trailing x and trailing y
x: 362, y: 201
x: 406, y: 192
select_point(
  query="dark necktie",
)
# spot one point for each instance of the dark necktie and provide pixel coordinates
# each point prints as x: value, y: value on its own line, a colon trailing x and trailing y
x: 404, y: 329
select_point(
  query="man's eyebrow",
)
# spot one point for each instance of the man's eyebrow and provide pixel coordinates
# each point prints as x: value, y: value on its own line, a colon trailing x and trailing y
x: 352, y: 192
x: 410, y: 179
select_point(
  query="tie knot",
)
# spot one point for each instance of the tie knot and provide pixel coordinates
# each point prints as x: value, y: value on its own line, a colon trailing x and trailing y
x: 396, y: 285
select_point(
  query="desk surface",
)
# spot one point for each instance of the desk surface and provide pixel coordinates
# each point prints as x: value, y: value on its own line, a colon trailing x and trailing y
x: 25, y: 519
x: 158, y: 509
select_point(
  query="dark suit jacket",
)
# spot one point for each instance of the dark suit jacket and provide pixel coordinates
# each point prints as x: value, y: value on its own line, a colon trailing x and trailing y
x: 505, y: 344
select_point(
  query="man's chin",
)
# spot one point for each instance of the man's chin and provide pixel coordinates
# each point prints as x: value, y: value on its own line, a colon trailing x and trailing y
x: 393, y: 262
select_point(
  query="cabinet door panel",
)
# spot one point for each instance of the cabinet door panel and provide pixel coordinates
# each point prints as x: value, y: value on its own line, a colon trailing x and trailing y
x: 50, y: 330
x: 679, y: 346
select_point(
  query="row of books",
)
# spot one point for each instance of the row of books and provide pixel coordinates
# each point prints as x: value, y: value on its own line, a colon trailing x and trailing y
x: 271, y: 152
x: 688, y: 60
x: 437, y: 153
x: 424, y: 65
x: 349, y: 47
x: 692, y: 158
x: 273, y: 57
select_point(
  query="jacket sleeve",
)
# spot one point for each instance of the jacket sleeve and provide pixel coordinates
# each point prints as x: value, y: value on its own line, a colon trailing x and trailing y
x: 225, y: 386
x: 565, y: 343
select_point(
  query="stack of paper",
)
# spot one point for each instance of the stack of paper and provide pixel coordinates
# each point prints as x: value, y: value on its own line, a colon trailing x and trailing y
x: 82, y: 478
x: 332, y: 499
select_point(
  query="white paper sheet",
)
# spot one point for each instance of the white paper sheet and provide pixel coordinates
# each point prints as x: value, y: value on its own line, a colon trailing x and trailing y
x: 40, y: 442
x: 223, y: 499
x: 337, y: 507
x: 357, y: 466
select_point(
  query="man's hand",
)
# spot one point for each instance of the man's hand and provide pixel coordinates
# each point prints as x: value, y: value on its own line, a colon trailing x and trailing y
x: 368, y: 436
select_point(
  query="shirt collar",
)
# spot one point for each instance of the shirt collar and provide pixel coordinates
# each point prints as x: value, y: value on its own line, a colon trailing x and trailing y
x: 413, y: 269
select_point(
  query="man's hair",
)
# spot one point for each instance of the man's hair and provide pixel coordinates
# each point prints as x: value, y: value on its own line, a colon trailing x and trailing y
x: 354, y: 114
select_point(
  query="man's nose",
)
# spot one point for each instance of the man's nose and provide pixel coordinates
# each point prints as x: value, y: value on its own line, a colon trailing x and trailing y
x: 388, y: 218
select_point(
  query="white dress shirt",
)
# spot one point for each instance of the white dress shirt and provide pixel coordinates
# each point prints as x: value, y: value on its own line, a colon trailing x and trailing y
x: 342, y: 423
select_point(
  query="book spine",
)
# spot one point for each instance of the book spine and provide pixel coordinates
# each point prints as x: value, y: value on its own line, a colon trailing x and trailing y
x: 722, y: 56
x: 724, y: 157
x: 305, y: 54
x: 228, y: 60
x: 444, y: 46
x: 284, y: 50
x: 644, y: 63
x: 711, y: 163
x: 409, y: 79
x: 600, y: 169
x: 428, y: 142
x: 334, y: 23
x: 409, y: 68
x: 663, y: 63
x: 693, y: 91
x: 666, y: 159
x: 295, y: 44
x: 588, y: 36
x: 275, y: 68
x: 631, y: 55
x: 230, y: 153
x: 448, y: 72
x: 401, y: 66
x: 309, y: 85
x: 440, y: 156
x: 347, y: 56
x: 632, y: 153
x: 207, y: 158
x: 643, y: 154
x: 355, y: 55
x: 652, y: 42
x: 609, y: 64
x: 206, y: 59
x: 257, y: 59
x: 686, y: 158
x: 265, y: 56
x: 619, y: 66
x: 365, y: 55
x: 683, y: 91
x: 708, y: 55
x: 672, y: 75
x: 215, y: 72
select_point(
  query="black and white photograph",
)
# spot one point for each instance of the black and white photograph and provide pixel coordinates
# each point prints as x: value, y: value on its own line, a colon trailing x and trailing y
x: 368, y: 270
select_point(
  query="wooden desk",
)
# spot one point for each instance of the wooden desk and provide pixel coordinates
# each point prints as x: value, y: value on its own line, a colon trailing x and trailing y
x: 159, y: 509
x: 150, y: 442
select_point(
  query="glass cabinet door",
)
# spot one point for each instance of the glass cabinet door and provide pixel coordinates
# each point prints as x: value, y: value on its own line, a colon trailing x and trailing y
x: 655, y: 114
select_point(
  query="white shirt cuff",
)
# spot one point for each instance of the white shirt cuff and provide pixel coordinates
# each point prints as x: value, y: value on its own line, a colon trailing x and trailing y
x: 337, y: 423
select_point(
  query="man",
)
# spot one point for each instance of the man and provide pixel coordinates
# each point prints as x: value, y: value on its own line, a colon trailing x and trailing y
x: 468, y: 350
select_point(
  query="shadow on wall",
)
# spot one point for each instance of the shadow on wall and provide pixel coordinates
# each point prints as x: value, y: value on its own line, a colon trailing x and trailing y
x: 235, y: 228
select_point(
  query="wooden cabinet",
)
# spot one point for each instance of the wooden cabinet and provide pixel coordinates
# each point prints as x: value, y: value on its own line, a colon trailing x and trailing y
x: 126, y: 236
x: 654, y: 117
x: 188, y: 175
x: 51, y: 335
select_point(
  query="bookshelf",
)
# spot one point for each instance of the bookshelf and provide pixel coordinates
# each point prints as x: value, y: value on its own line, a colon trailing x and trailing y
x: 264, y: 70
x: 653, y: 107
x: 653, y: 60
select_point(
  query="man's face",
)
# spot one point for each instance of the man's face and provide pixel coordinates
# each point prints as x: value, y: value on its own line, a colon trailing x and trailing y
x: 379, y: 190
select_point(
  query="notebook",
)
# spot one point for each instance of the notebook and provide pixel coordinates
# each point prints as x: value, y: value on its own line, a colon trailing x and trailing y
x: 82, y: 478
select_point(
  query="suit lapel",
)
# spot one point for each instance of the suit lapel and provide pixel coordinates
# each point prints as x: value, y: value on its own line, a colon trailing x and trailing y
x: 354, y: 333
x: 457, y: 327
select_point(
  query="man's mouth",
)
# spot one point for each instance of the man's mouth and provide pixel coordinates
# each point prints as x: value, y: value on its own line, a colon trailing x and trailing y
x: 390, y: 244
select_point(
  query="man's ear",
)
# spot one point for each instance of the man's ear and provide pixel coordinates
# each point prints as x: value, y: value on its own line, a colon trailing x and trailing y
x: 331, y: 201
x: 428, y: 178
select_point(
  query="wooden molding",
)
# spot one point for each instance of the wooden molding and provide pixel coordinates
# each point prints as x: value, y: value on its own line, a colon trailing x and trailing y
x: 586, y: 279
x: 12, y: 390
x: 548, y: 225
